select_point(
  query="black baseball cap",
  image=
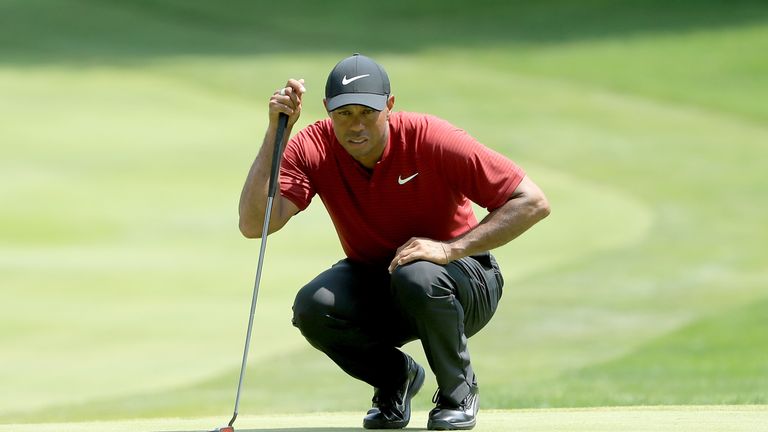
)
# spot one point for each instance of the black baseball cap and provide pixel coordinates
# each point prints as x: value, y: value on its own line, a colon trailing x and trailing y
x: 357, y: 80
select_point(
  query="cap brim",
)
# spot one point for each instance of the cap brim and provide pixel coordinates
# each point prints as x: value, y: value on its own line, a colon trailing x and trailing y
x: 375, y: 101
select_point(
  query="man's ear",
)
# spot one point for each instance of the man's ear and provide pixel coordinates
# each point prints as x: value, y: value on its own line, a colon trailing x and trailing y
x: 390, y: 102
x: 325, y: 104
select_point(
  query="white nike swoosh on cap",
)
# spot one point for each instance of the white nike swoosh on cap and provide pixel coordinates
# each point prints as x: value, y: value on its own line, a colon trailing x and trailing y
x: 402, y: 181
x: 345, y: 81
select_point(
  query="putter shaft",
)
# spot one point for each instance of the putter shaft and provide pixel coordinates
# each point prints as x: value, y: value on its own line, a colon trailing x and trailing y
x: 273, y: 176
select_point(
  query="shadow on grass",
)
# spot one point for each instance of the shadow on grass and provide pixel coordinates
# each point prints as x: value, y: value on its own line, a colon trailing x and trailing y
x: 300, y: 429
x: 116, y: 31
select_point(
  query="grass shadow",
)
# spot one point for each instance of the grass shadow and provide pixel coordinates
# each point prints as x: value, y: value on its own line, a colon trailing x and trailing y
x: 300, y: 429
x: 115, y: 31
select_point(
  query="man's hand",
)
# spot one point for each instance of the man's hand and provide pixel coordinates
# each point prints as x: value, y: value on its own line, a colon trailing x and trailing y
x: 419, y: 248
x: 525, y: 207
x: 287, y: 100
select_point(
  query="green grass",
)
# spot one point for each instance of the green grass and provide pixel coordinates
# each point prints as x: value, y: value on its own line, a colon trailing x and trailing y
x: 126, y: 130
x: 657, y: 419
x: 714, y: 356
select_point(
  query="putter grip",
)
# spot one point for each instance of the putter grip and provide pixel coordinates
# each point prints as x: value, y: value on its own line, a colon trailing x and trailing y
x: 282, y: 123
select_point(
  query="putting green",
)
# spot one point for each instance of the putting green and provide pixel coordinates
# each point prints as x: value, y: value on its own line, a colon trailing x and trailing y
x: 153, y: 243
x: 657, y: 419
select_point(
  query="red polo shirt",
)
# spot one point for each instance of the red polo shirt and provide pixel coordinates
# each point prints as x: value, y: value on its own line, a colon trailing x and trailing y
x: 422, y: 186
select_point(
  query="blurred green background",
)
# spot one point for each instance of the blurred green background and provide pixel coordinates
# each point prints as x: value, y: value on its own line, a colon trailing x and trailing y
x: 127, y: 128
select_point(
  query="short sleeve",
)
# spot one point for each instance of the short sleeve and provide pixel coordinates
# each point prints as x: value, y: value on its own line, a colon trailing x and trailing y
x: 296, y: 168
x: 483, y: 175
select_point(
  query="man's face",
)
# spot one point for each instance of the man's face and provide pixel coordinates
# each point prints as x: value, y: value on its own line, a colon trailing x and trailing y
x: 362, y: 131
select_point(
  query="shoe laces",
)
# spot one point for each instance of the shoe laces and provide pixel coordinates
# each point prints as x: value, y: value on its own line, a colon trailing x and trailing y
x: 443, y: 402
x: 440, y: 401
x: 386, y: 399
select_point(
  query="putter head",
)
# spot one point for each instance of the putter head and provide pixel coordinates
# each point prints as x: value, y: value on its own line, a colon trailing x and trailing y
x: 224, y: 429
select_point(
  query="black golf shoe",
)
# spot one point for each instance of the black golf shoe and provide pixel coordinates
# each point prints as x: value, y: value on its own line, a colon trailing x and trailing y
x: 449, y: 416
x: 392, y: 407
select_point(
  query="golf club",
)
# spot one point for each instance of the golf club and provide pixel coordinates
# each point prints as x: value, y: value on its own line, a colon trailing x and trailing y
x: 273, y: 175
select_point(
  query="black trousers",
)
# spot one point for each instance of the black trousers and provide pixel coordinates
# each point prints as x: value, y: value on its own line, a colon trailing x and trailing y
x: 360, y: 317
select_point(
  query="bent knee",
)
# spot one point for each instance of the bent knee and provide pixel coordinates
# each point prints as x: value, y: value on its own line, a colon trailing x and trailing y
x: 311, y: 305
x: 418, y: 282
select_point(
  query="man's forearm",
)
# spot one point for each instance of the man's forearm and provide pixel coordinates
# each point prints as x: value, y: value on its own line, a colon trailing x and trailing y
x: 500, y: 226
x: 253, y: 198
x: 525, y: 207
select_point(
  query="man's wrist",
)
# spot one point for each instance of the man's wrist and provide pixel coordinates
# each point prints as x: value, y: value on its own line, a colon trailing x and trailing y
x: 453, y: 250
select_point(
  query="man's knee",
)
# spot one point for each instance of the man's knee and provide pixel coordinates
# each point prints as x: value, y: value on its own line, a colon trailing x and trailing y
x: 311, y: 309
x: 416, y: 284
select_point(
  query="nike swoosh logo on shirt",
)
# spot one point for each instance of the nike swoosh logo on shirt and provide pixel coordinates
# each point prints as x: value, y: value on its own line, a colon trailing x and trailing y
x: 402, y: 181
x: 345, y: 81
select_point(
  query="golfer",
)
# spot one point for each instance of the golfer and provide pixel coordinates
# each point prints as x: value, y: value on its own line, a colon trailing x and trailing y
x: 398, y: 187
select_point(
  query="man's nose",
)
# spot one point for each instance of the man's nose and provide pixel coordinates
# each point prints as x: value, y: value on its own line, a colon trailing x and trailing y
x: 357, y: 124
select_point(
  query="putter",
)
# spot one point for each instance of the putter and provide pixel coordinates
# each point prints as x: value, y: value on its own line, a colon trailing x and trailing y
x: 275, y: 170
